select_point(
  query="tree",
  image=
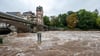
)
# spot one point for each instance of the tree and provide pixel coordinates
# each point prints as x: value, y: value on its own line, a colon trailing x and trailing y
x: 70, y: 12
x: 72, y: 20
x: 87, y: 19
x: 96, y: 11
x: 46, y: 20
x: 54, y: 21
x: 98, y: 22
x: 62, y: 20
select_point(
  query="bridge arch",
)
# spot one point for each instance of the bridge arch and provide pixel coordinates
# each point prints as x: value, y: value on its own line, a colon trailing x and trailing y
x: 21, y: 27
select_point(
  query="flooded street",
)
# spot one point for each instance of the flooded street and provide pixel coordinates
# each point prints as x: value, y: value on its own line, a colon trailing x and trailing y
x: 54, y: 43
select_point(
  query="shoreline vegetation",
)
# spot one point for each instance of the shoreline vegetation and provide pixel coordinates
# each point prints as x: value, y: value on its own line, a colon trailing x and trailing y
x: 82, y: 20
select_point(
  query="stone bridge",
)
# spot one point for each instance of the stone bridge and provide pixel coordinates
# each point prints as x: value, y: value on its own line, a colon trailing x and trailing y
x: 20, y: 24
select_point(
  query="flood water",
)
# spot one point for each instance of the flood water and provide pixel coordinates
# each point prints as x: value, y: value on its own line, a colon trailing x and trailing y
x: 54, y: 43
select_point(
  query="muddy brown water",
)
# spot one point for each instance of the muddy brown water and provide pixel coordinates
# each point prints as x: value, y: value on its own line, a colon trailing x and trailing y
x: 54, y: 43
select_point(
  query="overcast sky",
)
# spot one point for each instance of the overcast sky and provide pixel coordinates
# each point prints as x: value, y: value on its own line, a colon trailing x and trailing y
x: 51, y: 7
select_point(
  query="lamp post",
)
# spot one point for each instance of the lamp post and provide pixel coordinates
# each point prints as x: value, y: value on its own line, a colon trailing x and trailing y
x: 39, y: 39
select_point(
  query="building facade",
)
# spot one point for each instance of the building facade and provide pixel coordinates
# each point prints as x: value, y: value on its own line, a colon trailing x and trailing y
x: 39, y: 14
x: 29, y: 15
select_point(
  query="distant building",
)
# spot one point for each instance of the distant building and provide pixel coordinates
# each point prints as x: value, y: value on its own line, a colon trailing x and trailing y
x: 38, y: 18
x: 15, y: 13
x: 29, y: 15
x: 39, y: 14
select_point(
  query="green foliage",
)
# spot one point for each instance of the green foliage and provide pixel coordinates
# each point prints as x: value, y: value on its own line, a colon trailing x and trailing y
x: 46, y: 20
x: 62, y: 20
x: 72, y: 20
x: 54, y: 21
x: 81, y: 19
x: 70, y: 12
x: 59, y: 21
x: 98, y: 21
x: 87, y: 19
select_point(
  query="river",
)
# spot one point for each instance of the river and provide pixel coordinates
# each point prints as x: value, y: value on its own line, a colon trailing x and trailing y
x: 53, y: 43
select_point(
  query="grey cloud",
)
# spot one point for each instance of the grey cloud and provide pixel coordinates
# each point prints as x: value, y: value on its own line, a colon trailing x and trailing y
x: 51, y: 7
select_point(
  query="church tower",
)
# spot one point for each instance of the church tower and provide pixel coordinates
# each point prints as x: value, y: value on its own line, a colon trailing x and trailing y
x: 39, y: 14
